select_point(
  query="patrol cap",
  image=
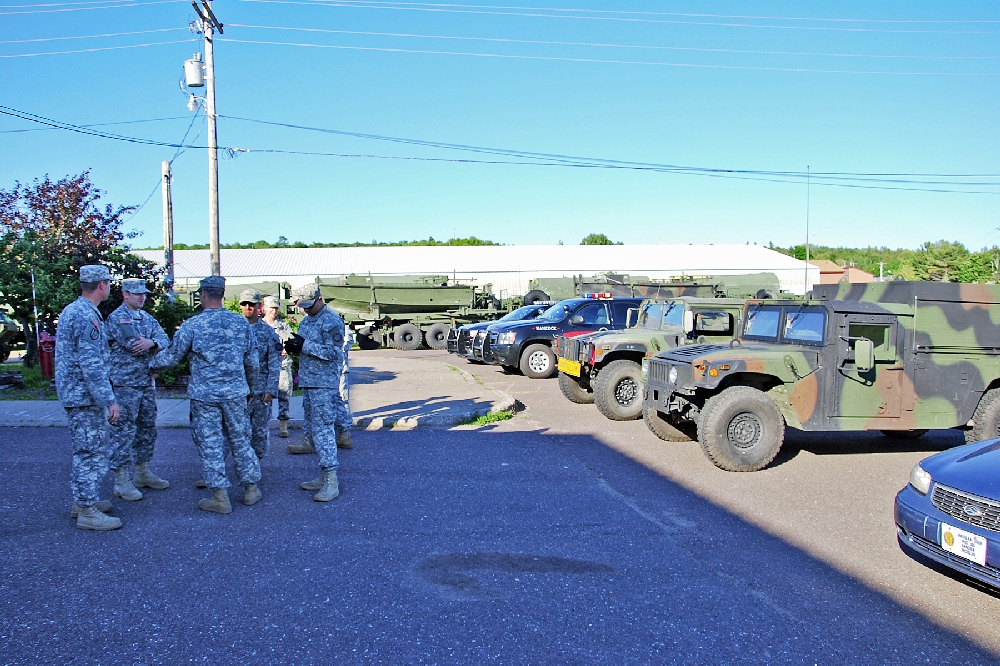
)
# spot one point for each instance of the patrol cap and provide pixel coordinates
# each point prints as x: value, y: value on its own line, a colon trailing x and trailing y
x: 135, y: 286
x: 249, y: 296
x: 212, y: 282
x: 94, y: 273
x: 271, y: 302
x: 306, y: 295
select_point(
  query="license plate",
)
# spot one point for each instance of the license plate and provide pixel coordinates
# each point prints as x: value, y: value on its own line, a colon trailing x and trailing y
x: 569, y: 367
x: 964, y: 544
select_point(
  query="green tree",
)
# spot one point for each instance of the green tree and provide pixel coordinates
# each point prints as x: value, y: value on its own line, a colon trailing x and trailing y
x: 598, y: 239
x: 939, y: 261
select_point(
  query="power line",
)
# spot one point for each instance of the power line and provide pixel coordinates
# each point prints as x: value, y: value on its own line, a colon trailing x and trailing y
x: 487, y: 11
x: 84, y: 9
x: 96, y: 49
x: 107, y: 34
x: 120, y: 122
x: 507, y: 56
x: 505, y: 40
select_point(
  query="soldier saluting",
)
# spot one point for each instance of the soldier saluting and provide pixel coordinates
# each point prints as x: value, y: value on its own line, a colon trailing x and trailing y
x: 85, y: 393
x: 223, y: 355
x: 135, y: 337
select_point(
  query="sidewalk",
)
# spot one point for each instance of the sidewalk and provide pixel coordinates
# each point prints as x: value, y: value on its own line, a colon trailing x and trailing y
x: 387, y: 391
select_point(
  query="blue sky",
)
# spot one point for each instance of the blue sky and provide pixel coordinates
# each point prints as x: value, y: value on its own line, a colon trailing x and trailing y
x: 706, y: 102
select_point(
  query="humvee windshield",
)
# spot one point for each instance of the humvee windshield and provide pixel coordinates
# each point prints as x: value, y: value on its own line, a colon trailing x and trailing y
x: 650, y: 316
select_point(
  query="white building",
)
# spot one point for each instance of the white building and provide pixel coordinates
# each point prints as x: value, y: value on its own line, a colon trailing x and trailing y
x: 507, y: 267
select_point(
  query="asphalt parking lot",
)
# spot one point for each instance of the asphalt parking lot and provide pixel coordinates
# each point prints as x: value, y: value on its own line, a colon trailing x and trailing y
x: 555, y: 537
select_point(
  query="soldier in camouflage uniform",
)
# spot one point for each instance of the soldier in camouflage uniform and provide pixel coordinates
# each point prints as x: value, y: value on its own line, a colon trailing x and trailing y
x: 135, y: 337
x: 269, y: 349
x: 222, y: 350
x: 85, y: 392
x: 320, y: 345
x: 284, y: 331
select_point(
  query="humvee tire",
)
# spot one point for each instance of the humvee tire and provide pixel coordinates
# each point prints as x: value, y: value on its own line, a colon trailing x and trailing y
x: 904, y: 434
x: 986, y: 418
x: 618, y: 391
x: 573, y: 391
x: 538, y: 361
x: 407, y: 337
x: 740, y: 429
x: 368, y: 342
x: 663, y: 428
x: 437, y: 336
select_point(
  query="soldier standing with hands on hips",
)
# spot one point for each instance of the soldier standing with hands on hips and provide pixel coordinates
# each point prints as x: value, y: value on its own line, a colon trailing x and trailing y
x: 269, y: 351
x: 135, y: 337
x: 319, y: 344
x: 85, y: 393
x: 271, y: 308
x: 222, y: 351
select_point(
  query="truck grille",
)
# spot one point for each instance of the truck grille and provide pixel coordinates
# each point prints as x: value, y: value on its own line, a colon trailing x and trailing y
x: 984, y: 512
x: 658, y: 372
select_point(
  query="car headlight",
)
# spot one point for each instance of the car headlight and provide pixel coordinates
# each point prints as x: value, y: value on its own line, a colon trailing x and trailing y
x: 645, y: 370
x: 920, y: 480
x: 672, y: 374
x: 506, y: 338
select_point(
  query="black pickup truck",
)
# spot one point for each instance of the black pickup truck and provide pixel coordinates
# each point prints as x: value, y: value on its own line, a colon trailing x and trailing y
x: 528, y: 345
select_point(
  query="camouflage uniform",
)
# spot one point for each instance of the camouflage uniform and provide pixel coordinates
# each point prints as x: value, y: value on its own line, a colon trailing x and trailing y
x: 269, y: 350
x: 84, y: 391
x: 284, y: 332
x: 222, y: 351
x: 345, y: 421
x: 135, y: 432
x: 321, y: 365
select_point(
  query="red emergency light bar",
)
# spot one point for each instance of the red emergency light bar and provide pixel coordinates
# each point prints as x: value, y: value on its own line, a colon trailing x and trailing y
x: 603, y: 294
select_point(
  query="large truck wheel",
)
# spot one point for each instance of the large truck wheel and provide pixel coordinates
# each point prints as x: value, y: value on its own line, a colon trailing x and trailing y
x: 986, y: 418
x: 368, y: 342
x: 437, y: 336
x: 573, y: 391
x: 407, y: 337
x: 741, y: 429
x: 538, y: 361
x: 534, y: 296
x: 618, y: 391
x: 661, y: 426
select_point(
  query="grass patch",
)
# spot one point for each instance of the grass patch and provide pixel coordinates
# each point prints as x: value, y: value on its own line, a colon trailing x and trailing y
x: 32, y: 378
x: 490, y: 417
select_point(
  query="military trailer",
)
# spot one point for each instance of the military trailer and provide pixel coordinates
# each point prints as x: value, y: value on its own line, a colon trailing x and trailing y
x: 898, y: 357
x: 750, y: 285
x: 606, y: 368
x: 405, y: 311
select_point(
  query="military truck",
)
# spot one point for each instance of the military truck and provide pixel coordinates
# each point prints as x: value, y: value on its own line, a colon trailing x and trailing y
x: 898, y: 357
x: 606, y: 368
x: 10, y: 335
x: 282, y: 290
x: 619, y: 285
x: 405, y: 311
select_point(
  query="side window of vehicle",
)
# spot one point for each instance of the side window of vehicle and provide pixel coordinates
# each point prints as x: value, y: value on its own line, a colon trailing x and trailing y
x: 714, y: 323
x: 880, y: 334
x: 806, y: 326
x: 594, y: 314
x: 619, y: 309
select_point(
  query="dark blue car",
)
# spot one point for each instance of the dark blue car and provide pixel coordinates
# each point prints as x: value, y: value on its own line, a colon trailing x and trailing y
x: 950, y: 510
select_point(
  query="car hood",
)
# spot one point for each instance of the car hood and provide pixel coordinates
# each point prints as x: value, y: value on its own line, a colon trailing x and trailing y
x: 970, y: 468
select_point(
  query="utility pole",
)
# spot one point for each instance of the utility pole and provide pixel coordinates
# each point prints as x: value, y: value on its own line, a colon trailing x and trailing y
x: 168, y: 232
x: 209, y: 24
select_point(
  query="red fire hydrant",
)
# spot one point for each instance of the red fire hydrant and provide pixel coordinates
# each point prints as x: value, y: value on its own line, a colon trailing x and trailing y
x: 47, y: 354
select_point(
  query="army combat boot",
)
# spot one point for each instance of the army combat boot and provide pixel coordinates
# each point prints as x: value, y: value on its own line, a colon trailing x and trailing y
x: 282, y: 428
x: 92, y: 519
x: 251, y: 495
x: 145, y: 478
x: 315, y: 484
x: 219, y: 502
x: 344, y: 440
x: 305, y: 447
x: 330, y: 489
x: 124, y: 487
x: 102, y: 505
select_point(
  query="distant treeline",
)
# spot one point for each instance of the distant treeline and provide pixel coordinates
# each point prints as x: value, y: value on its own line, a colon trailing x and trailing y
x: 942, y: 261
x: 284, y: 242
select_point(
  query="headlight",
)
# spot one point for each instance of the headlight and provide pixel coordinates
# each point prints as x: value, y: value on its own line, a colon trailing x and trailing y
x: 645, y: 370
x: 506, y: 338
x: 672, y: 374
x: 920, y: 480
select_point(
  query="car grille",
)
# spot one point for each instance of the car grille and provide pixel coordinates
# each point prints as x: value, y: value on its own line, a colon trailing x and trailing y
x: 989, y: 572
x: 658, y: 372
x: 493, y: 337
x: 955, y: 502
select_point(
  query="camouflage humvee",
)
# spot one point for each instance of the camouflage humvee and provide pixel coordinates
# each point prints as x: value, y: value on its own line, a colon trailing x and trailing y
x: 10, y: 334
x: 899, y: 357
x: 605, y: 367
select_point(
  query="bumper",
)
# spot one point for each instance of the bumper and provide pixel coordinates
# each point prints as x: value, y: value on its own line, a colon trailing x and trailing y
x: 918, y: 524
x: 505, y: 355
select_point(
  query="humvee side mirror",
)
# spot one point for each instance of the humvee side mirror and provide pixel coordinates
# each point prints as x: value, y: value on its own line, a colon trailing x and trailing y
x: 688, y: 321
x: 864, y: 354
x: 576, y: 320
x: 631, y: 317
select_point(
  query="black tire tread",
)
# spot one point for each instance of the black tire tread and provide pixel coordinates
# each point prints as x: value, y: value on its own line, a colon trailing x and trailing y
x: 434, y: 332
x: 986, y: 418
x: 722, y: 454
x: 407, y: 345
x: 604, y: 390
x: 573, y: 392
x: 662, y: 428
x: 526, y: 354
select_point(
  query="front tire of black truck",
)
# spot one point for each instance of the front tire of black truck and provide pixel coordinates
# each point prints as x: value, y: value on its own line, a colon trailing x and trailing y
x: 986, y: 418
x: 538, y: 361
x: 741, y: 429
x: 573, y: 391
x: 618, y: 391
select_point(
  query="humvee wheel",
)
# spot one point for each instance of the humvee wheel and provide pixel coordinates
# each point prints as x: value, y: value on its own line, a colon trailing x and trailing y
x: 740, y: 429
x: 407, y: 337
x: 538, y: 361
x: 437, y: 336
x: 904, y: 434
x: 618, y: 391
x: 986, y: 418
x: 573, y: 391
x: 663, y: 428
